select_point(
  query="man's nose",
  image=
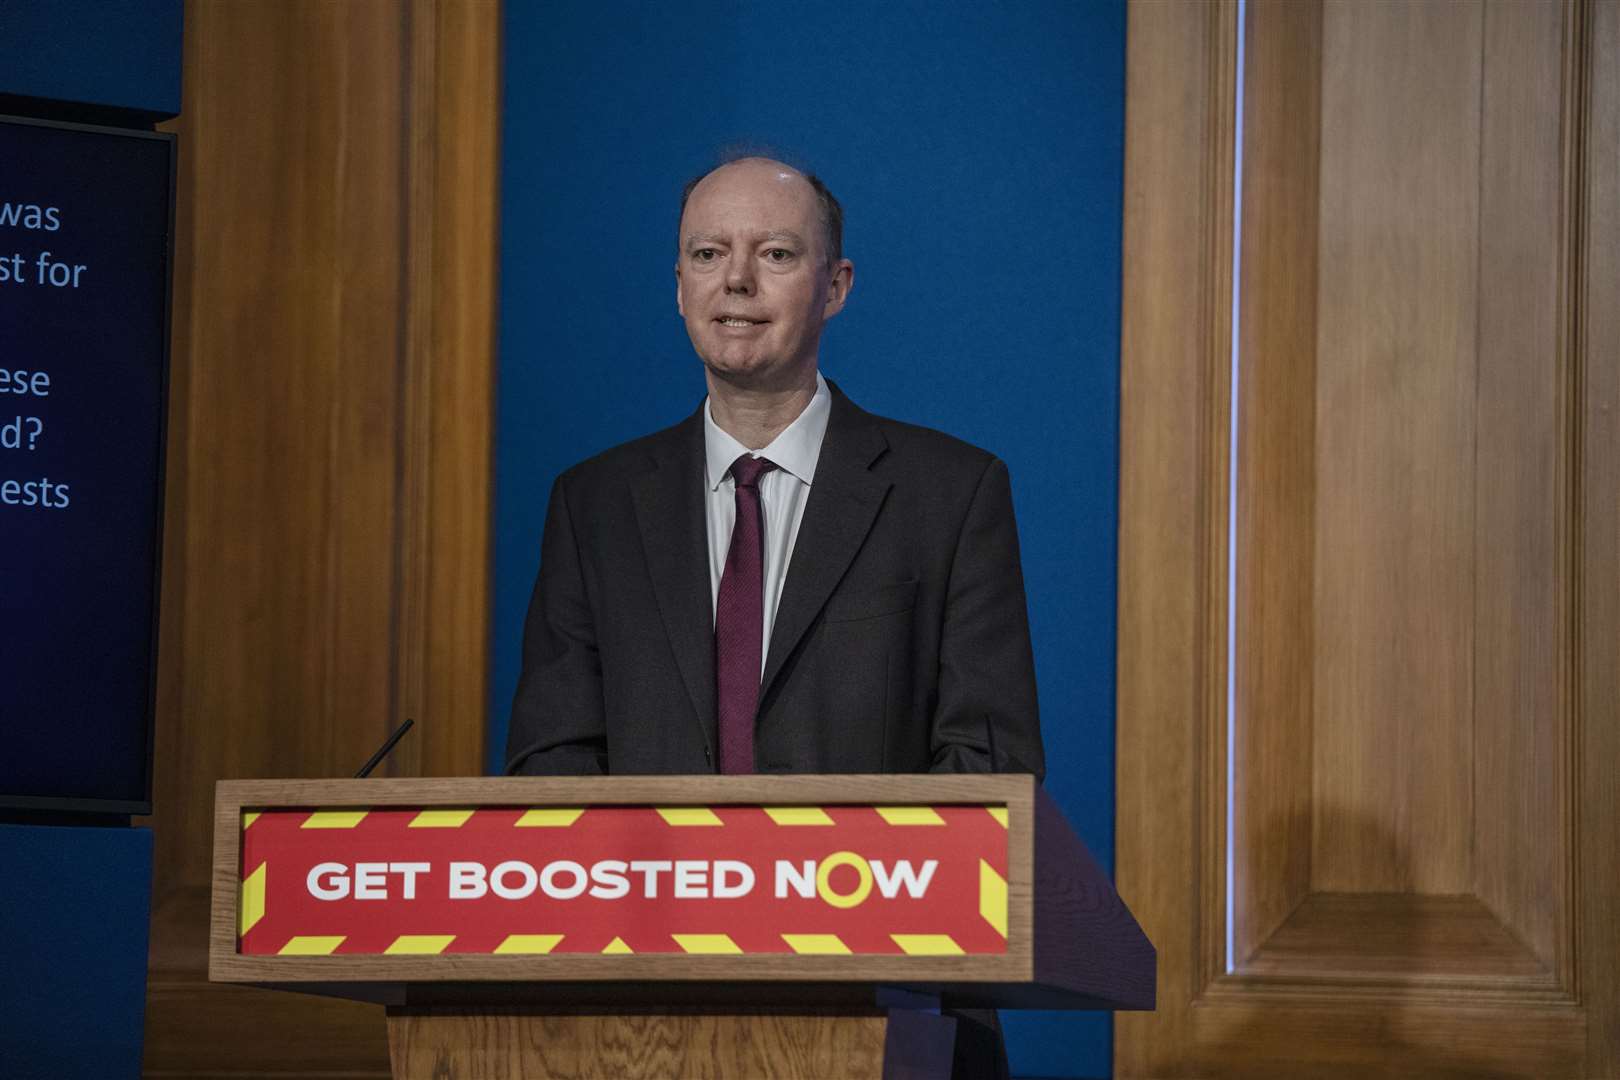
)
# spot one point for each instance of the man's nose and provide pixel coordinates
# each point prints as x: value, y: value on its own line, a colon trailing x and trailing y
x: 740, y: 276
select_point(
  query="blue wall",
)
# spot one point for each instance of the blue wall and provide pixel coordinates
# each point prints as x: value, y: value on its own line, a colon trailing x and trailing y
x: 74, y: 907
x: 119, y: 54
x: 977, y: 150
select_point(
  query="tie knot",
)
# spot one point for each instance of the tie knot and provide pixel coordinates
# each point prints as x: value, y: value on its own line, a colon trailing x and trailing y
x: 747, y: 470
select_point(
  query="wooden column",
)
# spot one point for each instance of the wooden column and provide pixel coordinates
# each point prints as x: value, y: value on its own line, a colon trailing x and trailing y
x: 326, y: 547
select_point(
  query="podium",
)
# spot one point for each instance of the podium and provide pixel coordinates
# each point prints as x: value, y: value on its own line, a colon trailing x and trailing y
x: 781, y: 926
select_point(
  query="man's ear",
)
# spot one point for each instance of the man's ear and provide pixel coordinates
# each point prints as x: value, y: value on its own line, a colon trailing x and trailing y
x: 843, y: 280
x: 680, y: 305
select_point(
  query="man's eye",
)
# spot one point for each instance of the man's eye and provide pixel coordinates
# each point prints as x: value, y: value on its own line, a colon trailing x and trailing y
x: 703, y: 255
x: 779, y: 254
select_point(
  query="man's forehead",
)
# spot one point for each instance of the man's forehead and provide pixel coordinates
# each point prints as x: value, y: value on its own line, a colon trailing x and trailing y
x: 757, y: 169
x: 754, y: 183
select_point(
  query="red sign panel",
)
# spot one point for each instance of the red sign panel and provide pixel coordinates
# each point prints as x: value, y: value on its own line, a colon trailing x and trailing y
x: 866, y: 880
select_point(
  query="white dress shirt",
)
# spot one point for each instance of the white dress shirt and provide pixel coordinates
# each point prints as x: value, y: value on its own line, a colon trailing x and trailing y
x: 782, y: 494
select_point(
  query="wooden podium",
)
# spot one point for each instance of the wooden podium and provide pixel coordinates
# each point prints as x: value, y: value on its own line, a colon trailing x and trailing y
x: 781, y: 926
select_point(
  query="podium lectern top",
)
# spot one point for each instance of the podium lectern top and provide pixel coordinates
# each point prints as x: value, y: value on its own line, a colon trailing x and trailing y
x: 659, y: 889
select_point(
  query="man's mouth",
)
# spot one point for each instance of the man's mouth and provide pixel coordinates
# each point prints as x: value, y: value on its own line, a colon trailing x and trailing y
x: 738, y: 321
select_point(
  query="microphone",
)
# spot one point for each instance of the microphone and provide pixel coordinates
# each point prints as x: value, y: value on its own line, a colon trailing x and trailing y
x: 990, y: 740
x: 382, y: 751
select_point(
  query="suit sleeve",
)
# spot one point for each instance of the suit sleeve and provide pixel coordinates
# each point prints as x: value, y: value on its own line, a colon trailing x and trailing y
x: 987, y: 667
x: 558, y: 726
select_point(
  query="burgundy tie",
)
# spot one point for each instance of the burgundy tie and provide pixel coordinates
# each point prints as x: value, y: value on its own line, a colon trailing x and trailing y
x: 739, y: 616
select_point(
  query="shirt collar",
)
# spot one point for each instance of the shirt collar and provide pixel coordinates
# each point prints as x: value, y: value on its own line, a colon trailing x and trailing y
x: 795, y: 450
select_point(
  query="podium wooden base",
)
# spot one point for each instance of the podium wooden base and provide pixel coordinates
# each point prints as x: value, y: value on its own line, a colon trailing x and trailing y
x: 531, y: 1044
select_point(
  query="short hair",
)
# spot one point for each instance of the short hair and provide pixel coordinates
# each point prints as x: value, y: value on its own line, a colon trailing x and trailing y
x: 831, y: 214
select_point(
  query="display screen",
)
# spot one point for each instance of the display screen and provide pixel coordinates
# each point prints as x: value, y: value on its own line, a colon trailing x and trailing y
x: 85, y: 224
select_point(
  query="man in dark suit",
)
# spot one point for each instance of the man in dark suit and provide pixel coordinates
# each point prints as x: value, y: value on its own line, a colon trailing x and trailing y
x: 894, y: 636
x: 781, y: 582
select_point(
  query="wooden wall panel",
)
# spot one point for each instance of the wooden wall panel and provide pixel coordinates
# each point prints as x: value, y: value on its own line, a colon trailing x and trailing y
x: 1592, y: 282
x: 1175, y: 332
x: 1423, y: 715
x: 1522, y: 507
x: 1272, y: 744
x: 455, y: 124
x: 1394, y: 589
x: 327, y: 525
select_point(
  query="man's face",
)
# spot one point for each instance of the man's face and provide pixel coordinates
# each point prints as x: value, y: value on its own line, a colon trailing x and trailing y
x: 752, y: 280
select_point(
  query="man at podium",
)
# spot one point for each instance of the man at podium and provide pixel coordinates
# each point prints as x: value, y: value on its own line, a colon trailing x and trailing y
x: 781, y: 582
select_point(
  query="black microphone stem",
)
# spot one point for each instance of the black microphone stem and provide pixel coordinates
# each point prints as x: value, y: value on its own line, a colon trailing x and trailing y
x: 382, y: 751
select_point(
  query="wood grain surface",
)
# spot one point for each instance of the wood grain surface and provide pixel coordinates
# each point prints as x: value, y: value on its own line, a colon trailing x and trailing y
x: 1273, y: 676
x: 458, y: 1045
x: 1591, y: 274
x: 1524, y: 522
x: 1385, y: 939
x: 1420, y: 875
x: 1175, y: 338
x: 326, y: 533
x: 1394, y: 587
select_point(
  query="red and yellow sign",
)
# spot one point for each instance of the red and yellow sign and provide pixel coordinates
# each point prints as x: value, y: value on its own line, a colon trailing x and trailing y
x: 861, y: 880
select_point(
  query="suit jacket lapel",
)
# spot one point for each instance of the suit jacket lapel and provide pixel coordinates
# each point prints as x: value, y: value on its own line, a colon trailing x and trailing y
x: 674, y: 536
x: 843, y: 503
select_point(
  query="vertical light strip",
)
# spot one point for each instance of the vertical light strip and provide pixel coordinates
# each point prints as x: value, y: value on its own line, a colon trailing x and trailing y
x: 1232, y: 480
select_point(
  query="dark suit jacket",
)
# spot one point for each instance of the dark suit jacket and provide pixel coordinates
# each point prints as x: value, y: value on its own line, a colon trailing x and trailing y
x: 900, y: 639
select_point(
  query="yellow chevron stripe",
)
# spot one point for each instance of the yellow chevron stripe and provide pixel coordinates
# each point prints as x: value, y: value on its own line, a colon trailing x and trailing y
x: 999, y: 813
x: 529, y: 943
x: 548, y: 819
x: 249, y: 818
x: 440, y: 819
x: 927, y: 944
x: 617, y: 947
x: 909, y: 815
x: 311, y: 946
x: 798, y: 815
x: 993, y: 897
x: 334, y: 819
x: 816, y: 944
x: 419, y: 944
x: 689, y: 815
x: 706, y: 943
x: 250, y: 905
